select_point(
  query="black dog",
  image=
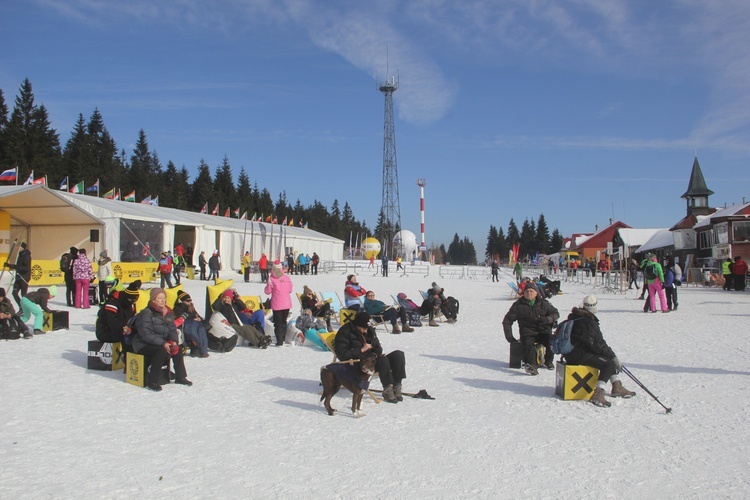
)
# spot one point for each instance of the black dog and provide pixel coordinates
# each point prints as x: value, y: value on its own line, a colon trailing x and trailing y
x: 355, y: 377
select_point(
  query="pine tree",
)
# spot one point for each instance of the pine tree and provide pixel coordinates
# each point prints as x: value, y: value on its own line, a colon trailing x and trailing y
x: 491, y: 249
x: 513, y: 237
x: 224, y: 189
x: 556, y: 242
x: 542, y: 236
x: 102, y: 153
x: 141, y: 167
x: 201, y: 192
x: 4, y: 160
x: 73, y: 154
x: 244, y: 193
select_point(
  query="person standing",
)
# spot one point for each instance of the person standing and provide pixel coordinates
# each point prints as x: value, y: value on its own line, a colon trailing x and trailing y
x: 104, y: 274
x: 726, y: 270
x: 535, y: 317
x: 672, y: 276
x: 654, y: 278
x: 246, y: 260
x: 518, y: 271
x: 384, y: 265
x: 178, y: 263
x: 280, y: 288
x: 315, y: 260
x: 399, y: 267
x: 633, y: 275
x: 165, y: 270
x: 214, y: 265
x: 202, y: 263
x: 23, y: 273
x: 739, y: 270
x: 263, y: 268
x: 494, y: 266
x: 83, y: 273
x: 590, y: 349
x: 66, y: 266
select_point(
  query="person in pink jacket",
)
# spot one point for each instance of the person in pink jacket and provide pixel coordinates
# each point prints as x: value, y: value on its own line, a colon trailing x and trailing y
x: 279, y: 287
x: 83, y: 274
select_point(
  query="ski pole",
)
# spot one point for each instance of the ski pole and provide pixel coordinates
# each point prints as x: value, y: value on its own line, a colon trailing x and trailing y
x: 638, y: 382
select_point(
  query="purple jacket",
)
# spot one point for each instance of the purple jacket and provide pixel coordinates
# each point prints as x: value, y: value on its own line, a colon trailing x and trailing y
x: 82, y: 269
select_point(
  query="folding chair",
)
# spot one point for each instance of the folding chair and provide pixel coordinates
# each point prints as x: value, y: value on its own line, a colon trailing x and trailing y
x: 514, y: 291
x: 333, y: 299
x: 377, y: 319
x: 438, y: 313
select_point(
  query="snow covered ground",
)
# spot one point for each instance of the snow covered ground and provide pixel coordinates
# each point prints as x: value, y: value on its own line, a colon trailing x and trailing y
x: 251, y: 425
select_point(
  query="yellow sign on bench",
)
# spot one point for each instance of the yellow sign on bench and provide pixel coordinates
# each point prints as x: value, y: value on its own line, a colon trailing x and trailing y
x: 575, y: 381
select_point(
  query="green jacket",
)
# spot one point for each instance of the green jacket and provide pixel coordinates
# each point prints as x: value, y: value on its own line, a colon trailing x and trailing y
x: 659, y: 272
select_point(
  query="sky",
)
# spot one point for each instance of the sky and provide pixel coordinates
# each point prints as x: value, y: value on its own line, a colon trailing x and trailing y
x: 582, y: 111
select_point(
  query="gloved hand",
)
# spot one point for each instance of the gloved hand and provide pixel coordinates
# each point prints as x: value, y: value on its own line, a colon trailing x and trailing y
x: 618, y: 364
x: 174, y: 349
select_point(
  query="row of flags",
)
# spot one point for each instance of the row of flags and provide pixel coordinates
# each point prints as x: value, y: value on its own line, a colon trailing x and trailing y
x: 271, y: 219
x: 11, y: 175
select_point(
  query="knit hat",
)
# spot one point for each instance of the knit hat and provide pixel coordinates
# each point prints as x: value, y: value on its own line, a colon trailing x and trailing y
x: 183, y: 296
x: 228, y: 293
x: 306, y: 290
x: 362, y: 319
x: 103, y: 254
x: 155, y: 292
x: 131, y: 292
x: 277, y: 270
x: 590, y: 304
x: 52, y: 290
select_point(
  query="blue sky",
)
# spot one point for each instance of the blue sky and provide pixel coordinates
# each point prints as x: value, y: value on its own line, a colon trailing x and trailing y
x: 581, y: 110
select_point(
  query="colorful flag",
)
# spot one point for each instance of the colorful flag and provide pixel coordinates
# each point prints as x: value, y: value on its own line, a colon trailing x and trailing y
x: 109, y: 194
x: 275, y: 220
x: 291, y: 222
x: 284, y: 222
x: 64, y: 185
x: 226, y: 213
x: 130, y: 197
x: 93, y: 187
x: 255, y: 216
x: 154, y: 202
x: 117, y: 195
x: 41, y: 180
x: 204, y: 210
x: 30, y: 180
x: 146, y: 200
x: 305, y: 226
x: 268, y: 219
x: 77, y: 189
x: 216, y: 210
x: 10, y: 175
x: 244, y: 216
x: 236, y: 213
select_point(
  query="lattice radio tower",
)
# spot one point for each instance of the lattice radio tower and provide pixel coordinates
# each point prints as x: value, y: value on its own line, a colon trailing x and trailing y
x: 391, y: 206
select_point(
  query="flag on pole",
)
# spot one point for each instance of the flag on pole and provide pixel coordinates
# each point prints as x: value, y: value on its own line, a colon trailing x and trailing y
x: 204, y: 210
x: 41, y: 180
x: 64, y: 184
x: 146, y: 200
x: 93, y: 187
x: 226, y: 213
x: 244, y: 216
x: 275, y: 220
x: 30, y: 180
x: 291, y: 222
x: 284, y: 222
x: 117, y: 195
x: 305, y: 226
x: 109, y: 194
x: 236, y: 213
x: 154, y: 202
x: 77, y: 188
x: 216, y: 210
x: 268, y: 219
x: 130, y: 197
x: 10, y: 175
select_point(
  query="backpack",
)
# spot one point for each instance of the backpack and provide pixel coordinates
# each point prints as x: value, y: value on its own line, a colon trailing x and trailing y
x: 561, y: 343
x: 65, y: 262
x: 451, y: 304
x: 650, y: 272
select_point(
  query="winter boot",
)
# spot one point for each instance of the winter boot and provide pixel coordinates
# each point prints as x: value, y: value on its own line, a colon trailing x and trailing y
x: 407, y: 329
x: 618, y: 391
x: 433, y: 323
x: 598, y: 398
x: 388, y: 395
x: 397, y: 392
x: 328, y: 324
x: 27, y: 335
x: 396, y: 329
x: 39, y: 332
x: 530, y: 369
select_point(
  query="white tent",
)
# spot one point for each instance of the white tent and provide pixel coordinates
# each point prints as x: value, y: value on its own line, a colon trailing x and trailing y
x: 52, y: 221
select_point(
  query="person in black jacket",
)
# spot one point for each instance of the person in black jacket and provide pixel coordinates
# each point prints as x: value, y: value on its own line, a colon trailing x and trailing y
x: 23, y: 273
x: 590, y: 349
x: 357, y: 338
x: 156, y: 337
x: 535, y: 317
x: 192, y: 325
x: 112, y: 319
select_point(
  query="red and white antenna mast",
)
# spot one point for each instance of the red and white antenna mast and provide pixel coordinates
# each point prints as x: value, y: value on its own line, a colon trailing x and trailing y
x: 421, y: 183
